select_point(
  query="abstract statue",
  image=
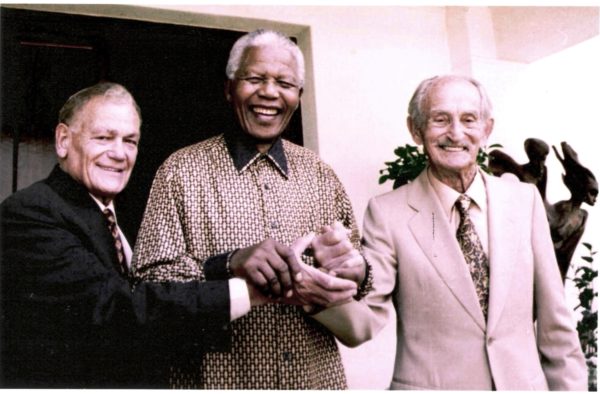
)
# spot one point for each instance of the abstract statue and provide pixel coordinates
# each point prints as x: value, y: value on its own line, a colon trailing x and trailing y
x: 533, y: 172
x: 566, y: 218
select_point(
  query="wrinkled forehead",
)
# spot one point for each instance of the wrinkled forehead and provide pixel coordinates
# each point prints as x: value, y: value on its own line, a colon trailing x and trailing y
x: 453, y: 92
x: 271, y: 58
x: 104, y: 104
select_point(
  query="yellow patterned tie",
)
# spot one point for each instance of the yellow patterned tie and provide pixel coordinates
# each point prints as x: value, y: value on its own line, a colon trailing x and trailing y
x: 112, y: 227
x: 473, y: 251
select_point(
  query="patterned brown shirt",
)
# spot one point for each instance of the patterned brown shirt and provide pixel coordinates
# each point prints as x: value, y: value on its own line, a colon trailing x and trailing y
x: 219, y: 195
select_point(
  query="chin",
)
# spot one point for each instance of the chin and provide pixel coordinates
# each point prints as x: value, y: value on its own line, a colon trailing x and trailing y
x: 266, y: 136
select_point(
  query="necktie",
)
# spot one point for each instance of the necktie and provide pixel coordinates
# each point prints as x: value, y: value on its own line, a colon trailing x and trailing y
x: 473, y: 251
x: 112, y: 227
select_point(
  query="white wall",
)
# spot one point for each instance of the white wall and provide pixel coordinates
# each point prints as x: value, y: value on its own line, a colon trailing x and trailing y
x: 556, y: 99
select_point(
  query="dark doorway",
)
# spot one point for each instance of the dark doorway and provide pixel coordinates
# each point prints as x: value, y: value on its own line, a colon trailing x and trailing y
x: 176, y: 73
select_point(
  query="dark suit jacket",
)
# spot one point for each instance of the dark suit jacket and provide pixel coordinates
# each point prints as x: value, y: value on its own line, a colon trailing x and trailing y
x: 69, y: 319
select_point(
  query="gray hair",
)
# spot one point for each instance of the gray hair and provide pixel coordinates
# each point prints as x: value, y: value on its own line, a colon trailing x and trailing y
x: 259, y: 38
x: 418, y: 109
x: 108, y: 90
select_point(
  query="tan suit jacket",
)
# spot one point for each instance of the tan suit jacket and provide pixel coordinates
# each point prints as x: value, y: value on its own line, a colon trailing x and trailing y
x: 444, y: 342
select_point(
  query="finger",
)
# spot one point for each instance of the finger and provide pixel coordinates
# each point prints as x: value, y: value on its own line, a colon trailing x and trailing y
x: 271, y: 279
x: 308, y: 308
x: 337, y: 225
x: 330, y: 237
x: 328, y: 255
x: 280, y: 268
x: 258, y: 280
x: 333, y: 298
x: 351, y: 259
x: 297, y: 248
x: 328, y: 282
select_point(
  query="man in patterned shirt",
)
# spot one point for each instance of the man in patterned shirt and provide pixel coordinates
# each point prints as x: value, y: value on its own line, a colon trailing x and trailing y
x: 240, y: 205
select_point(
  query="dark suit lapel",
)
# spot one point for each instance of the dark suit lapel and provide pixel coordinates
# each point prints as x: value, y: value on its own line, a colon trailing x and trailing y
x: 503, y: 245
x: 87, y: 214
x: 433, y: 234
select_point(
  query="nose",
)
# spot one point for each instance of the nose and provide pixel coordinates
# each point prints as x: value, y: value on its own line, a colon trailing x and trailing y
x: 117, y: 150
x: 268, y: 88
x: 455, y: 129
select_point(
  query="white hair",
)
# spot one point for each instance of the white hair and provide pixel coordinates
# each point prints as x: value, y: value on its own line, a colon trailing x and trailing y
x: 261, y: 38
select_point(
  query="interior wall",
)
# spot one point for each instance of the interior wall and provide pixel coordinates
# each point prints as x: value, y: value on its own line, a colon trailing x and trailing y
x: 363, y: 65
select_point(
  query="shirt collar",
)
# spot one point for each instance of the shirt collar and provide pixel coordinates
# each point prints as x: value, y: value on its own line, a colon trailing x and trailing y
x: 244, y: 153
x: 448, y: 196
x: 110, y: 206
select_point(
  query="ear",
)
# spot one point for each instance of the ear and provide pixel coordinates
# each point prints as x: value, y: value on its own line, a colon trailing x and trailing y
x: 489, y: 127
x: 228, y: 90
x: 62, y: 140
x: 415, y: 134
x: 300, y: 92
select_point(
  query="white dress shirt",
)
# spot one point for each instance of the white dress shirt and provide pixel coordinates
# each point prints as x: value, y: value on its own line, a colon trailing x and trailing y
x: 477, y: 211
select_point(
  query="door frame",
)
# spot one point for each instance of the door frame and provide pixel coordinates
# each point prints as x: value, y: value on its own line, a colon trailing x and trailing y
x: 134, y: 12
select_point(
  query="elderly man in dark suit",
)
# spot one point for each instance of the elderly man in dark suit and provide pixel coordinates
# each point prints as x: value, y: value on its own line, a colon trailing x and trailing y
x: 71, y: 315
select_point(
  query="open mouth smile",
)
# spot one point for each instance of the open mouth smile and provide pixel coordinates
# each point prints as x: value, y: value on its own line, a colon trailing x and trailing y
x: 266, y: 111
x: 110, y: 169
x: 453, y: 148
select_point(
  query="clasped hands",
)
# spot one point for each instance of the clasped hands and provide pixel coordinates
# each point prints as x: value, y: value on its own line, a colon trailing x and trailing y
x: 276, y: 273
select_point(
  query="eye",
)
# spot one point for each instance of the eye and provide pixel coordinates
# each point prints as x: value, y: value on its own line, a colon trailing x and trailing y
x: 440, y: 120
x: 286, y: 84
x: 470, y: 120
x: 131, y: 141
x: 253, y: 80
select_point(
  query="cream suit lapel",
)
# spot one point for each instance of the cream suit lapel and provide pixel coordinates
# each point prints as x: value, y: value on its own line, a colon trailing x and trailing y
x: 437, y: 240
x: 503, y: 245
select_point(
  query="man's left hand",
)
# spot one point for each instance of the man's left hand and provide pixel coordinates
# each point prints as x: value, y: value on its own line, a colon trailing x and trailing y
x: 318, y: 288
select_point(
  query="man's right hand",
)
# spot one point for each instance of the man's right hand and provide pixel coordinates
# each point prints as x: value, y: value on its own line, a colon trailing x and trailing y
x: 268, y: 265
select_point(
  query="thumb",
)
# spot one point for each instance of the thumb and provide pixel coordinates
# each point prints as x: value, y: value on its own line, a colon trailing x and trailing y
x: 300, y: 244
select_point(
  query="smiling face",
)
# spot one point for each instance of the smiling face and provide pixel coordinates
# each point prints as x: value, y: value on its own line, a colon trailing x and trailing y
x: 99, y: 147
x: 265, y: 93
x: 454, y: 132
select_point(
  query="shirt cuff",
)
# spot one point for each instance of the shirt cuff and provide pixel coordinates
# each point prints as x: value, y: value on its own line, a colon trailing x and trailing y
x: 239, y: 298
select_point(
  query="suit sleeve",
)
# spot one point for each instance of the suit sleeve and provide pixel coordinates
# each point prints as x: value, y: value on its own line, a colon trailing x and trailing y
x: 560, y: 351
x: 52, y: 273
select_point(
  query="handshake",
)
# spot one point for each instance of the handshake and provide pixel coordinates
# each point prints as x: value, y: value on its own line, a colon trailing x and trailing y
x: 276, y: 273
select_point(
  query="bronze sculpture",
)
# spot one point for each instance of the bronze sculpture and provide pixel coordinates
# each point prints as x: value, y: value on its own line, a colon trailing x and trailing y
x: 566, y: 218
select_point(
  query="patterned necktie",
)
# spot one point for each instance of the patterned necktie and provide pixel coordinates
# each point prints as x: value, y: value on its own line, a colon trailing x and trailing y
x: 112, y: 227
x: 473, y: 251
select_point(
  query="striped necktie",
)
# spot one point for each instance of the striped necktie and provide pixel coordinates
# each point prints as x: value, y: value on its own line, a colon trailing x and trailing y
x: 470, y: 245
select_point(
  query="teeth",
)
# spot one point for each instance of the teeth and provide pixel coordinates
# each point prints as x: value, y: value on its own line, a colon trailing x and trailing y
x: 110, y: 169
x: 453, y: 148
x: 265, y: 111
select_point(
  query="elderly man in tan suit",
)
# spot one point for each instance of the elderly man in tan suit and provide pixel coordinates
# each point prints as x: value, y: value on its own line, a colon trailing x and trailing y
x: 468, y: 261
